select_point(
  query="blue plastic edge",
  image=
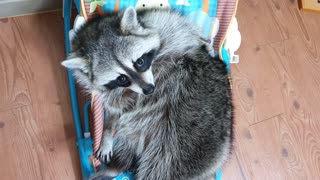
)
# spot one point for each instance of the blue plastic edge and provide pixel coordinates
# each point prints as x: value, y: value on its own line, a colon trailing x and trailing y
x: 86, y: 116
x: 219, y: 175
x: 77, y: 3
x: 85, y: 151
x: 226, y: 58
x: 72, y: 86
x: 84, y: 144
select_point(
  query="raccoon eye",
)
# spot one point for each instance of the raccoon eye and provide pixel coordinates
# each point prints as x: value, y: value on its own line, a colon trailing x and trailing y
x: 144, y: 62
x: 140, y: 62
x: 123, y: 81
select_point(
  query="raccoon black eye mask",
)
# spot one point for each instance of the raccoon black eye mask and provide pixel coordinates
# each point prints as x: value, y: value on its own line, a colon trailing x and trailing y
x: 121, y: 81
x: 144, y: 62
x: 182, y: 130
x: 141, y: 65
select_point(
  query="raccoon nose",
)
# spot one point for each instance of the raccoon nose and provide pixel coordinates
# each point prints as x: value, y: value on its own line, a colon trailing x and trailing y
x: 149, y: 89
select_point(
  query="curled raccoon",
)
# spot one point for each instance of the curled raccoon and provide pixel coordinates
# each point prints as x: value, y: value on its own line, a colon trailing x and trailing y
x: 166, y: 97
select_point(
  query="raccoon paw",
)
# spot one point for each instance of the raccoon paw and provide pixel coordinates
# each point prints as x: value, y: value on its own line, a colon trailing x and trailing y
x: 104, y: 154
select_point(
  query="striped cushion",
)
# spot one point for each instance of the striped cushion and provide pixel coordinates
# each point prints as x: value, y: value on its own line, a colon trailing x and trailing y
x: 225, y: 11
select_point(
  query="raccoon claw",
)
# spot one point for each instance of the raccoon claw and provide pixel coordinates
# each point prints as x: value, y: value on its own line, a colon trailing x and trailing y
x: 104, y: 155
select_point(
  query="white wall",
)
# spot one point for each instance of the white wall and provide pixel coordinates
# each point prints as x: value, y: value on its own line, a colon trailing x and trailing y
x: 21, y: 7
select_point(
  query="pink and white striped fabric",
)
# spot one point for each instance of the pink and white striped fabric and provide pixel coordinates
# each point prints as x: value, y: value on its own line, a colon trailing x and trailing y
x: 225, y: 11
x: 97, y: 110
x: 87, y: 10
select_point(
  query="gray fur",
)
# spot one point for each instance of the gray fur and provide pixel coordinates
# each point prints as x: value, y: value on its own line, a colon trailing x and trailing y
x: 184, y: 129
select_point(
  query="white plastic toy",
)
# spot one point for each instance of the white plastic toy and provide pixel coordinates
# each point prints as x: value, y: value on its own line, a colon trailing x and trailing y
x: 233, y: 41
x: 215, y: 28
x: 183, y: 3
x: 152, y: 4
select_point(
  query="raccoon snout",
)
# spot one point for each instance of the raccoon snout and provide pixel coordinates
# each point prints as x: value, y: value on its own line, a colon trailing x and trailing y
x: 149, y: 89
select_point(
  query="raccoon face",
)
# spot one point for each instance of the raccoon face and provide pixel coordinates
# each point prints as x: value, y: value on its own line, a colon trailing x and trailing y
x: 133, y: 74
x: 116, y: 57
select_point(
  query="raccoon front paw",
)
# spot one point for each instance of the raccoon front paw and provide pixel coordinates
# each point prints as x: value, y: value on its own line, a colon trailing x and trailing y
x: 104, y: 154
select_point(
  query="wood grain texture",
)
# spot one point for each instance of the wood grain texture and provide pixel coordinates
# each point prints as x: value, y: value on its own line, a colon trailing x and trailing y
x: 278, y: 156
x: 37, y: 138
x: 276, y: 92
x: 232, y: 169
x: 275, y: 88
x: 14, y: 89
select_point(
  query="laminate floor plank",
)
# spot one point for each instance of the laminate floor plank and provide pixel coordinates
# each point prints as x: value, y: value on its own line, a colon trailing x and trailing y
x: 276, y: 92
x: 36, y: 127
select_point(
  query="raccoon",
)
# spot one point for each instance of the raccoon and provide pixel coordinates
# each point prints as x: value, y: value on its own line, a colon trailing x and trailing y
x: 166, y: 97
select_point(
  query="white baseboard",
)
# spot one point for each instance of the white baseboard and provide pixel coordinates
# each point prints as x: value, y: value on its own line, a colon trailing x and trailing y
x: 21, y: 7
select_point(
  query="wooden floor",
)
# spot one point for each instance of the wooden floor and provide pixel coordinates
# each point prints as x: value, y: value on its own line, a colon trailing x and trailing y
x: 276, y: 89
x: 37, y: 138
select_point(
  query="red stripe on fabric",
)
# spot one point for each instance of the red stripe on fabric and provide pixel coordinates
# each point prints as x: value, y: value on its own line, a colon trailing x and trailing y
x: 225, y: 10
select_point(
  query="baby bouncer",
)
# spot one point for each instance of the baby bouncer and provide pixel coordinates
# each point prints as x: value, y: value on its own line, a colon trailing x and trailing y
x: 215, y: 18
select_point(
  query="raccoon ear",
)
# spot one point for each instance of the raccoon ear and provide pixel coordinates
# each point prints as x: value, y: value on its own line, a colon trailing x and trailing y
x: 76, y: 63
x: 129, y: 20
